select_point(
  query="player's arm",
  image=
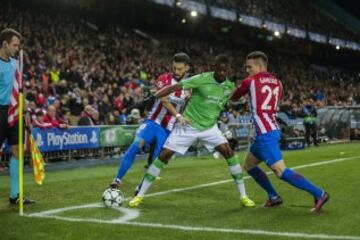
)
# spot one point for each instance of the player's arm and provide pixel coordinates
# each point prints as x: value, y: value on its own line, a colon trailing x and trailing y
x: 164, y: 92
x: 163, y: 95
x: 280, y: 96
x: 279, y: 100
x: 240, y: 90
x: 168, y: 105
x: 191, y: 83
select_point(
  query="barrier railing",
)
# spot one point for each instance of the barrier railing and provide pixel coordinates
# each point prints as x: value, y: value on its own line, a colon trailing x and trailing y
x: 79, y: 142
x: 103, y: 141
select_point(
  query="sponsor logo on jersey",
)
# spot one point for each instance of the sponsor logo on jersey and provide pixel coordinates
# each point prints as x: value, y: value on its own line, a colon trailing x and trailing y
x: 159, y: 84
x: 227, y: 92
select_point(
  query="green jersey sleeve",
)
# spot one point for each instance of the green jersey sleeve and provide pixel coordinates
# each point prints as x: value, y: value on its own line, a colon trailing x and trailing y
x: 193, y: 82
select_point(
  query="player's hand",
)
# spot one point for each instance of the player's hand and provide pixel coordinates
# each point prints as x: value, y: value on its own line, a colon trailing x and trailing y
x: 181, y: 120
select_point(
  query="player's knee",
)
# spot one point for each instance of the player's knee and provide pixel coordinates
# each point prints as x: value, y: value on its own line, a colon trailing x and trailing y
x: 226, y: 151
x: 165, y: 155
x: 278, y: 171
x: 278, y: 168
x: 139, y: 142
x: 15, y: 152
x: 247, y: 166
x: 230, y: 154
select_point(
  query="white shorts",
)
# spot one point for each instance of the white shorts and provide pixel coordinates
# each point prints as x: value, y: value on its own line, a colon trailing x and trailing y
x: 182, y: 137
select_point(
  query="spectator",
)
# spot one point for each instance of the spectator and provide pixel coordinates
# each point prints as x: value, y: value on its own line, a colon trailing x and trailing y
x: 104, y: 108
x: 75, y: 68
x: 116, y: 115
x: 134, y: 117
x: 110, y: 120
x: 51, y: 118
x: 39, y: 122
x: 89, y: 117
x: 309, y: 114
x: 75, y: 105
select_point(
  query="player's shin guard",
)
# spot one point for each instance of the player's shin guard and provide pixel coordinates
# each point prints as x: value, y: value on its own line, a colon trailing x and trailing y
x: 237, y: 174
x: 150, y: 176
x: 14, y: 177
x: 300, y: 182
x: 260, y: 177
x: 127, y: 160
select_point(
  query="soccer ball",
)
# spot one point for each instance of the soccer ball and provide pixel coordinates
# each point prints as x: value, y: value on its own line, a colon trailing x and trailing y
x: 113, y: 198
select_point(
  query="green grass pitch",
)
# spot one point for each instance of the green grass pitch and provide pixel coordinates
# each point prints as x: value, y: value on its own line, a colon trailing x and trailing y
x: 195, y: 210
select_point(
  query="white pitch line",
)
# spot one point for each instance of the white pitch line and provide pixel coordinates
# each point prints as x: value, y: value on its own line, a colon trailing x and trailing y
x: 49, y: 213
x: 244, y: 231
x: 246, y: 177
x: 128, y: 215
x: 57, y: 210
x: 53, y: 211
x: 207, y: 229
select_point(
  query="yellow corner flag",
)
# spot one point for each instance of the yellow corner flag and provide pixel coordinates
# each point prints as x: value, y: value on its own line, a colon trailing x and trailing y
x: 37, y: 161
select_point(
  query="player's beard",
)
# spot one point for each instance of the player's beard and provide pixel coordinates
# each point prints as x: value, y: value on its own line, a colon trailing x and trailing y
x: 179, y: 78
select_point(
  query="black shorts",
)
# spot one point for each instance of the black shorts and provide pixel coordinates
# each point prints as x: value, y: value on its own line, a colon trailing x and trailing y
x: 11, y: 134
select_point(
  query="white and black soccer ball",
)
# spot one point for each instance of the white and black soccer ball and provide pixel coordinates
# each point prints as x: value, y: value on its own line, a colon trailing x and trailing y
x: 113, y: 198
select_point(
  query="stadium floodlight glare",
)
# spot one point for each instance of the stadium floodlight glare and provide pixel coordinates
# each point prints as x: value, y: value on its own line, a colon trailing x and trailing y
x: 240, y: 19
x: 193, y: 13
x: 178, y: 3
x: 183, y: 20
x: 277, y: 34
x: 337, y: 47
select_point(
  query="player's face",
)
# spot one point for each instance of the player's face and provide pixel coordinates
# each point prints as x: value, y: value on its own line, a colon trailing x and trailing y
x: 252, y: 67
x: 179, y: 69
x: 13, y: 46
x: 222, y: 71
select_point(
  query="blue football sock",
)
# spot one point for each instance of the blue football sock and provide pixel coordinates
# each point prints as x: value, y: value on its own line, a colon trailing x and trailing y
x: 300, y: 182
x: 127, y: 160
x: 261, y: 178
x: 14, y: 177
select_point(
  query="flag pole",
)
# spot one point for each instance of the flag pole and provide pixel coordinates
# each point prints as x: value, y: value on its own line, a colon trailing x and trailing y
x: 21, y: 136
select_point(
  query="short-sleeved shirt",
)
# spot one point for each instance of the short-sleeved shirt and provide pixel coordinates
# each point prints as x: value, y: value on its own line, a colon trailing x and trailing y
x: 160, y: 114
x: 265, y: 92
x: 207, y: 100
x: 7, y: 77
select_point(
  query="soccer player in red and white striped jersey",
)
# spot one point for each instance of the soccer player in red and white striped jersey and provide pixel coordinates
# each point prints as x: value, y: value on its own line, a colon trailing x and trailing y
x: 265, y: 92
x: 165, y: 112
x: 160, y: 113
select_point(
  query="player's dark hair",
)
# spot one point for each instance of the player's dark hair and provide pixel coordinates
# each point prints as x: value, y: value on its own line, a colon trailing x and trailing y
x: 7, y: 34
x: 181, y: 57
x: 258, y: 55
x: 222, y: 59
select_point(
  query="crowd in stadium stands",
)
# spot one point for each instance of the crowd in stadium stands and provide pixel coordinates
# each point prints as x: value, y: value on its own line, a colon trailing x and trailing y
x: 77, y: 75
x: 299, y: 13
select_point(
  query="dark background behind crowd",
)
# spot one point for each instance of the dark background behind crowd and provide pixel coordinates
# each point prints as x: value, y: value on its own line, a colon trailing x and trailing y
x: 84, y: 68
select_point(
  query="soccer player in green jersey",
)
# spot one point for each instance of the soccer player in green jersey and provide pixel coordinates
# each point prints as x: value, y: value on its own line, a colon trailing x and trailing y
x: 210, y: 92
